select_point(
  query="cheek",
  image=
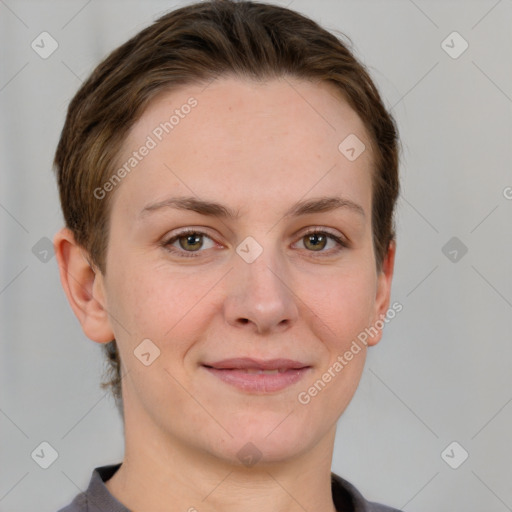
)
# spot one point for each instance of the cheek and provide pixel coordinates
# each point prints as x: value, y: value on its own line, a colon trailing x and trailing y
x: 342, y: 311
x: 344, y: 303
x: 159, y: 305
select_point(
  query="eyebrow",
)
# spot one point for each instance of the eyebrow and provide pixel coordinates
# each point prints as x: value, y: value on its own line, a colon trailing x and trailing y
x: 214, y: 209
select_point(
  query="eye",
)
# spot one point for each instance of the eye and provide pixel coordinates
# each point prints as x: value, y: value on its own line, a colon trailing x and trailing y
x: 190, y: 241
x: 317, y: 240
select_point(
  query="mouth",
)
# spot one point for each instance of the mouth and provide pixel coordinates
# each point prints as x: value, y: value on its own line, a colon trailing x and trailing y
x: 248, y: 363
x: 258, y: 376
x: 252, y: 370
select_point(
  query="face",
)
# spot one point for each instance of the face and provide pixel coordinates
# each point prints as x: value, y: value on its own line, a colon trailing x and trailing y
x: 257, y: 277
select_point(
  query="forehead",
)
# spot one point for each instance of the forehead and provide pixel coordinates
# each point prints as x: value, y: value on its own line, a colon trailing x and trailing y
x: 284, y: 102
x: 246, y: 137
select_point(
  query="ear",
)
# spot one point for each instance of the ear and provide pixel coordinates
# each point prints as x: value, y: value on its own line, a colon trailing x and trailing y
x: 383, y: 295
x: 84, y: 287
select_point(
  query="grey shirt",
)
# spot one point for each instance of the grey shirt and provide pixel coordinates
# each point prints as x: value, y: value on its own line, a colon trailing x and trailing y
x: 97, y: 497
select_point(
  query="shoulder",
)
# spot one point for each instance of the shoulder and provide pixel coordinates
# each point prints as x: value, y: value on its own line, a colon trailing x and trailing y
x: 342, y: 489
x: 97, y: 497
x: 79, y: 504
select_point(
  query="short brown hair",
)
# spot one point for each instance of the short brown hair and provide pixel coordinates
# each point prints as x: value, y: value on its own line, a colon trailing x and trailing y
x: 192, y: 45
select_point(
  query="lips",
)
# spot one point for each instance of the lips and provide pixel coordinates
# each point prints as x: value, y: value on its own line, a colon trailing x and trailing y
x: 258, y: 376
x: 255, y: 365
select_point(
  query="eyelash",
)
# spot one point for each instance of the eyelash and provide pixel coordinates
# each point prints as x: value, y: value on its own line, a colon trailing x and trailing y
x: 194, y: 254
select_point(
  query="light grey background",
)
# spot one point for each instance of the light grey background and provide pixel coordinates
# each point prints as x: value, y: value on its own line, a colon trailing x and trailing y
x: 442, y: 372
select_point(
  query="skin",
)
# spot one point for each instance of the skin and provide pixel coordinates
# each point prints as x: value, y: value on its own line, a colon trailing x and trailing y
x: 257, y: 148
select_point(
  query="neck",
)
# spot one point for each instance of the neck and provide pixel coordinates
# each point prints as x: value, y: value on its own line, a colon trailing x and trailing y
x: 160, y: 472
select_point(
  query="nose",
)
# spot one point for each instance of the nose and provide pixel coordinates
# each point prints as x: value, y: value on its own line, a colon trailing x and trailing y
x: 260, y: 295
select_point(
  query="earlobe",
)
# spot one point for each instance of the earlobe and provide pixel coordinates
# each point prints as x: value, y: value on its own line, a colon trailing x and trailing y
x: 84, y: 287
x: 383, y: 296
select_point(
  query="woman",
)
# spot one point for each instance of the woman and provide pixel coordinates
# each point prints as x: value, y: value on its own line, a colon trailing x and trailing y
x: 228, y: 179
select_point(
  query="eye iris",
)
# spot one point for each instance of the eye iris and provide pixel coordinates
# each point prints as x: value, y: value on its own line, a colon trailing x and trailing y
x: 194, y: 239
x: 314, y: 237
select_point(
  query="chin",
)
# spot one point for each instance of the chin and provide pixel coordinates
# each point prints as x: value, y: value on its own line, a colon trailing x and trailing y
x: 270, y: 440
